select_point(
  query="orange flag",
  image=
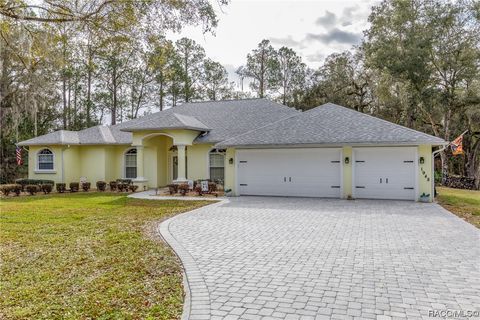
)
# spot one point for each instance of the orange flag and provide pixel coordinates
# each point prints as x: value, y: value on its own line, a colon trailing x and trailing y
x: 457, y: 146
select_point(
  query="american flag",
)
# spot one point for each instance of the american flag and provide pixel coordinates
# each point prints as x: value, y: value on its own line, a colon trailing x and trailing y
x: 18, y: 152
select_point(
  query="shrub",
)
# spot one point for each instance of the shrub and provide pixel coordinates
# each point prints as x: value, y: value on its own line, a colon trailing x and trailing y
x: 183, y: 188
x: 198, y: 189
x: 7, y: 188
x: 46, y: 188
x: 74, y: 186
x: 113, y: 185
x: 61, y: 187
x: 32, y: 189
x: 172, y: 188
x: 101, y: 185
x: 133, y: 187
x: 122, y: 187
x: 24, y: 182
x: 212, y: 187
x: 86, y: 186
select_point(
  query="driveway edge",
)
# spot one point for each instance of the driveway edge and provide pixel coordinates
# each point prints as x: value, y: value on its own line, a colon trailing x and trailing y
x: 197, y: 298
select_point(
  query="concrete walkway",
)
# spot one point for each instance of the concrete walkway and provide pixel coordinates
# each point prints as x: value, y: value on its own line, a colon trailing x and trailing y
x: 150, y: 195
x: 293, y: 258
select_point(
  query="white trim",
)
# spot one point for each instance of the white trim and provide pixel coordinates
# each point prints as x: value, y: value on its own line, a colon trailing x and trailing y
x: 37, y: 163
x: 124, y: 166
x: 353, y: 172
x: 341, y: 174
x: 417, y: 196
x: 237, y: 184
x: 158, y: 134
x: 45, y: 171
x: 224, y: 161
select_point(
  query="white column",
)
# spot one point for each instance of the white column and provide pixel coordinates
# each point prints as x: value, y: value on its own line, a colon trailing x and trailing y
x: 181, y: 175
x: 140, y: 173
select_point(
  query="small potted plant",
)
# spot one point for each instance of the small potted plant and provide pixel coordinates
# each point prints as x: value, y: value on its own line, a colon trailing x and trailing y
x: 425, y: 197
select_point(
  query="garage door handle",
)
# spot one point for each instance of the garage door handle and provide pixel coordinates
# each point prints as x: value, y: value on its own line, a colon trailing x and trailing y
x: 380, y: 180
x: 387, y: 180
x: 290, y: 179
x: 284, y: 179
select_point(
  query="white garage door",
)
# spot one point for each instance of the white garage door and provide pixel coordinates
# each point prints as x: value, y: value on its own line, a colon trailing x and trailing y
x: 292, y: 172
x: 384, y: 173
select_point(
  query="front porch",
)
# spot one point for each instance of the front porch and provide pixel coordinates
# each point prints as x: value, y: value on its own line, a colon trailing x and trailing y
x: 157, y: 159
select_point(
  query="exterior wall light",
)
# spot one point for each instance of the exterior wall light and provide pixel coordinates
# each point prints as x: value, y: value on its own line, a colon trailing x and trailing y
x: 230, y: 160
x: 347, y: 160
x: 422, y: 160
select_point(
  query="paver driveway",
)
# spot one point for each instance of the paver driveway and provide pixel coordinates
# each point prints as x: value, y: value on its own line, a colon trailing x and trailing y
x: 294, y: 258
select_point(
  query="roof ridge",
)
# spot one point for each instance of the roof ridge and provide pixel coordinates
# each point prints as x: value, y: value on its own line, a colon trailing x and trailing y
x: 226, y: 100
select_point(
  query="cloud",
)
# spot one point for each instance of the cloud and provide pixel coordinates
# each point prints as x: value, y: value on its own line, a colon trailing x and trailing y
x: 287, y: 41
x: 327, y: 20
x: 347, y: 23
x: 335, y: 35
x: 316, y: 57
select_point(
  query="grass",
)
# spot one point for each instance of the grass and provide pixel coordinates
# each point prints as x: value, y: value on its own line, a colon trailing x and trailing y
x: 463, y: 203
x: 88, y: 256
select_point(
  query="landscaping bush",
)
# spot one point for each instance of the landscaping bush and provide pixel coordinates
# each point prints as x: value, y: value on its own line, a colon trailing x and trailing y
x: 46, y: 188
x: 32, y: 189
x: 25, y: 182
x: 172, y: 188
x: 61, y: 187
x: 74, y: 186
x: 122, y: 187
x: 7, y: 188
x: 198, y: 189
x: 101, y: 185
x: 183, y: 188
x: 113, y: 185
x: 133, y: 187
x: 212, y: 187
x: 86, y: 186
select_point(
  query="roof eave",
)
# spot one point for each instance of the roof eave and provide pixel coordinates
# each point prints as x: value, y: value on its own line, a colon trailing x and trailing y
x: 339, y: 144
x: 166, y: 128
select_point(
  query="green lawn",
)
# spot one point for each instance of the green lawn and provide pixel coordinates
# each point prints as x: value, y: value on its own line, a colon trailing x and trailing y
x: 90, y: 255
x: 464, y: 203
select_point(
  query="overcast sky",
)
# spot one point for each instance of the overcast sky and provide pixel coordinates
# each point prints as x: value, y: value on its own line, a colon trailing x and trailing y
x: 314, y: 29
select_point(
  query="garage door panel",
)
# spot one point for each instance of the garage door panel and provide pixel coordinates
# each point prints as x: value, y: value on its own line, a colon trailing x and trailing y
x: 289, y: 172
x: 384, y: 173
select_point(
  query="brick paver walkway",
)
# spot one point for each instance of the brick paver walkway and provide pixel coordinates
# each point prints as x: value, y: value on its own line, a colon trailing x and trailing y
x: 281, y: 258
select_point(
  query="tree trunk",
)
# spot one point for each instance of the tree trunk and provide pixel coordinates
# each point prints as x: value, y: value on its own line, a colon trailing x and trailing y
x: 64, y: 97
x: 89, y: 92
x: 160, y: 95
x: 114, y: 96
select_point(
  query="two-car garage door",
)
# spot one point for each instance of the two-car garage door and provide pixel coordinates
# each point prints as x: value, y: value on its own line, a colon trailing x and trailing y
x: 377, y: 173
x: 289, y: 172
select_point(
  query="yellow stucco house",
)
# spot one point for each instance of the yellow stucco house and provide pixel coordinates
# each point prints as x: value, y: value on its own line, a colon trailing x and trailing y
x: 252, y: 146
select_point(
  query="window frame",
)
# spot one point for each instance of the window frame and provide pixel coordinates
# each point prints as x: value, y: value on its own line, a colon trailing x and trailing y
x: 38, y: 154
x: 221, y: 152
x: 129, y: 152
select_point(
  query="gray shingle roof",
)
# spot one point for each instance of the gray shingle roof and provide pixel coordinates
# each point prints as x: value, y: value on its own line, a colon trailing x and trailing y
x: 251, y: 122
x: 57, y: 137
x: 224, y: 119
x: 92, y: 135
x: 331, y: 124
x: 165, y: 120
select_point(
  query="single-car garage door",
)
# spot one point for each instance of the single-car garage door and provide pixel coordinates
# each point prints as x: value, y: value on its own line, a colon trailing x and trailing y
x: 311, y: 172
x: 384, y: 173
